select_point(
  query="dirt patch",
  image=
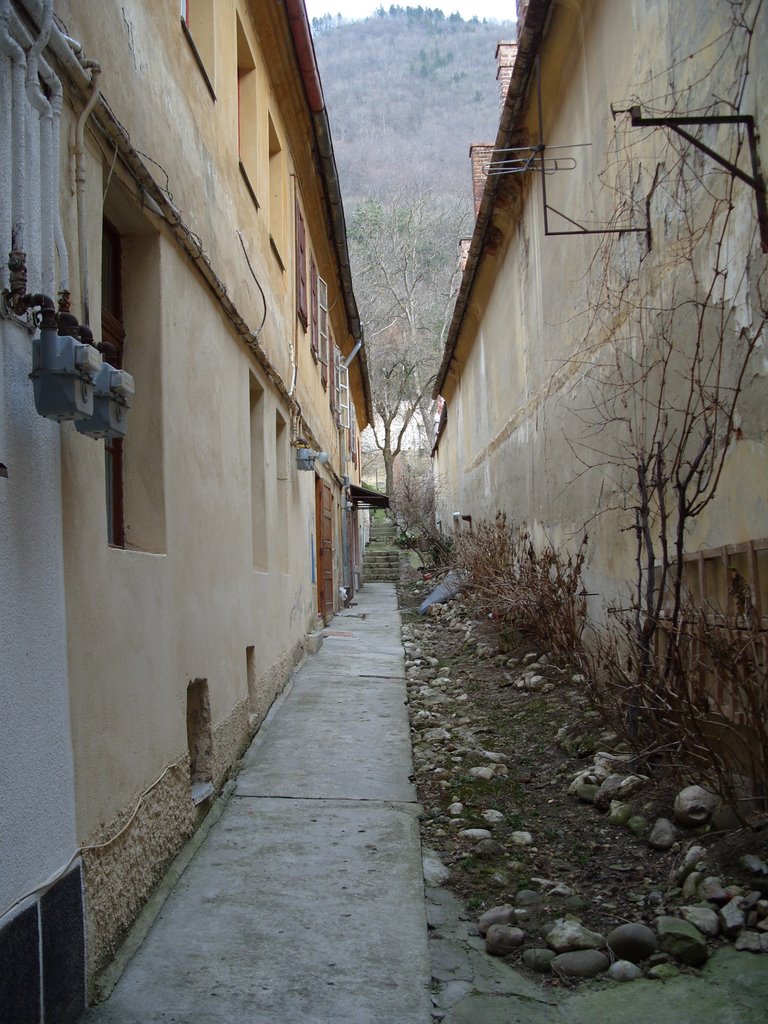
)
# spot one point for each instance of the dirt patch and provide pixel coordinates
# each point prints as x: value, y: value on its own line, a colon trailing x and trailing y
x: 509, y: 711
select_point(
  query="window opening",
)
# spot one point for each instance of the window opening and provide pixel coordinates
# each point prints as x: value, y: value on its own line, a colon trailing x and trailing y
x: 247, y: 97
x: 322, y: 303
x: 275, y: 190
x: 113, y: 337
x: 301, y: 267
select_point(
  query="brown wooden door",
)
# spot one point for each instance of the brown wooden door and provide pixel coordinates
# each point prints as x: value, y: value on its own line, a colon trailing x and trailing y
x: 324, y: 514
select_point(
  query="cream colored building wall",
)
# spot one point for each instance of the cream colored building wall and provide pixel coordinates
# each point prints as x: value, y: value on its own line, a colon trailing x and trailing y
x: 188, y: 598
x: 517, y: 404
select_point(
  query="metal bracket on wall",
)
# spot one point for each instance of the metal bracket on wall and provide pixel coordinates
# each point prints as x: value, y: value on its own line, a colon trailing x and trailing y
x: 678, y: 124
x: 536, y: 158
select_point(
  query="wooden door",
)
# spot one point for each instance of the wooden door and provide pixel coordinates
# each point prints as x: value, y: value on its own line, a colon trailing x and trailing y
x: 324, y: 516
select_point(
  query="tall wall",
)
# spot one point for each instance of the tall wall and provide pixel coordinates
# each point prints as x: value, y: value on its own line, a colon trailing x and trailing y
x: 551, y: 317
x: 139, y: 660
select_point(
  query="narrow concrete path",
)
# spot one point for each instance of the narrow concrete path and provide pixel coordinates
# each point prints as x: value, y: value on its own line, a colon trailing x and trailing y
x: 305, y: 903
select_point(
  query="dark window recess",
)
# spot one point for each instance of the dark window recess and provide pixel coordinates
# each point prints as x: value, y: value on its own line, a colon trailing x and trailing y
x: 61, y: 912
x: 20, y: 973
x: 301, y: 267
x: 113, y: 341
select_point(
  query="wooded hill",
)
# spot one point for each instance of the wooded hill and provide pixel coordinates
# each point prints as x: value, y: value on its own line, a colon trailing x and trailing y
x: 408, y: 89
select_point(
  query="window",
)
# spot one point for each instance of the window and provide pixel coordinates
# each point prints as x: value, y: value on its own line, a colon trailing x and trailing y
x: 197, y: 21
x: 301, y: 267
x: 247, y: 96
x: 353, y: 440
x: 334, y: 391
x: 276, y: 190
x: 343, y: 394
x: 132, y: 297
x: 113, y: 336
x: 314, y: 334
x: 322, y: 328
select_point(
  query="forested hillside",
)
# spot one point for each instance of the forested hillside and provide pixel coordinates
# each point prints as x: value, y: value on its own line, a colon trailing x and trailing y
x: 407, y: 91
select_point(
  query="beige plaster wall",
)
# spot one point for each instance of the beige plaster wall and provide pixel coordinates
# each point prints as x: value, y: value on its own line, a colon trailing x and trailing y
x: 182, y: 601
x: 516, y: 433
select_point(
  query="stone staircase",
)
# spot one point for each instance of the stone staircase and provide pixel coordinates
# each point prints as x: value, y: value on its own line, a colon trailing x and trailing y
x: 382, y: 558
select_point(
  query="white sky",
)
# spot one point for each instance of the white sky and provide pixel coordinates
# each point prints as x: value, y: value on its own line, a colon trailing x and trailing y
x: 500, y: 10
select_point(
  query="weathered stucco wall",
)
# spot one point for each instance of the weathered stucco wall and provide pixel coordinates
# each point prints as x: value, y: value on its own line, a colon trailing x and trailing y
x: 550, y: 315
x: 37, y: 794
x: 215, y: 585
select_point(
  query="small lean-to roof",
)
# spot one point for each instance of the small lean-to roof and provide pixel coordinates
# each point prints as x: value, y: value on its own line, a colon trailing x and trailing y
x: 301, y: 34
x: 366, y: 497
x: 528, y: 43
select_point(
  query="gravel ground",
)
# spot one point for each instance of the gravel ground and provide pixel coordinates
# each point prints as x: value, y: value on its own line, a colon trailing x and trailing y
x: 514, y: 715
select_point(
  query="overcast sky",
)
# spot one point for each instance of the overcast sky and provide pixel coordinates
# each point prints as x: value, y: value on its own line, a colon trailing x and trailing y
x: 499, y: 9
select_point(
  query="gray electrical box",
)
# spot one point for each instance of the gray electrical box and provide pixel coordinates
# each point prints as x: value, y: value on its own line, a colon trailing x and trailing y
x: 63, y: 372
x: 110, y: 404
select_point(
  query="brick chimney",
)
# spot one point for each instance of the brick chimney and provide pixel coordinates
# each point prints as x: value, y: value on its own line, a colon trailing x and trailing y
x: 505, y: 60
x: 522, y: 7
x: 480, y: 154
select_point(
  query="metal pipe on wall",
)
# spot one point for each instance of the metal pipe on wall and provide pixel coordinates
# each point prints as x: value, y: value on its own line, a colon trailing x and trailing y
x: 11, y: 49
x: 48, y: 201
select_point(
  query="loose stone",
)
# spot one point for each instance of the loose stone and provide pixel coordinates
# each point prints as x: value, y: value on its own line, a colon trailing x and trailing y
x: 682, y: 940
x: 567, y: 936
x: 521, y: 838
x: 527, y: 898
x: 583, y: 963
x: 703, y: 918
x: 692, y: 885
x: 663, y: 972
x: 538, y: 960
x: 749, y: 942
x: 637, y: 824
x: 663, y: 834
x: 689, y: 862
x: 694, y: 806
x: 620, y: 812
x: 501, y: 939
x: 475, y: 833
x: 624, y: 970
x: 732, y: 918
x: 456, y: 809
x: 493, y: 817
x: 633, y: 942
x: 496, y: 915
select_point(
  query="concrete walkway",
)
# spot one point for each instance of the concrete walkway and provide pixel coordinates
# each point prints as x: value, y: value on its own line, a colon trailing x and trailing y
x: 305, y: 903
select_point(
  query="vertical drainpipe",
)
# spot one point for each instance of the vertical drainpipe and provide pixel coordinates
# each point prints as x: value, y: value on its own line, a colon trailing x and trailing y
x: 10, y: 48
x: 80, y: 180
x: 39, y: 102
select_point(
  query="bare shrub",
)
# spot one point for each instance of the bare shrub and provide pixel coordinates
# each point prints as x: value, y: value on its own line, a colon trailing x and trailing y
x: 538, y: 593
x: 413, y: 503
x: 698, y: 701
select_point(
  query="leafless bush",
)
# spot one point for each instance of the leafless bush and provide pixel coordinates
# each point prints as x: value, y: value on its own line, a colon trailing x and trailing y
x: 698, y: 701
x: 413, y: 503
x: 537, y: 593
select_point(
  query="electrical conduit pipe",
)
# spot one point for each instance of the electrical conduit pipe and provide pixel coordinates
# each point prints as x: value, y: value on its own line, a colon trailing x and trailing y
x: 80, y: 180
x: 39, y: 102
x: 10, y: 48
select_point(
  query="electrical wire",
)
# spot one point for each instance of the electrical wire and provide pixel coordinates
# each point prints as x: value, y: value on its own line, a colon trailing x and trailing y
x: 44, y: 886
x: 258, y: 330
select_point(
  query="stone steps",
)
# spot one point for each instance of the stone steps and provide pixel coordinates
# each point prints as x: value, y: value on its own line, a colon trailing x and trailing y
x: 382, y: 564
